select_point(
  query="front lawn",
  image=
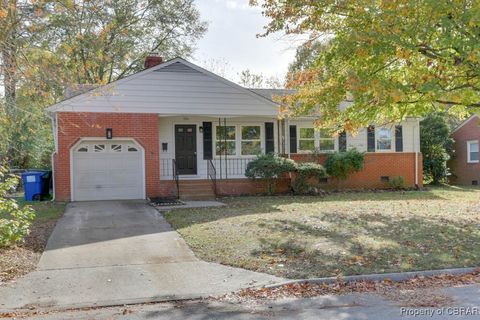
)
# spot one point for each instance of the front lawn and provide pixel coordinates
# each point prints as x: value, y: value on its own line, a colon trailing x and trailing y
x: 24, y: 257
x: 339, y: 234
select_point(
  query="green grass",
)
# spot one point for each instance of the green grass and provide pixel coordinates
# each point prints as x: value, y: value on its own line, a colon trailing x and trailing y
x: 340, y: 234
x: 44, y: 210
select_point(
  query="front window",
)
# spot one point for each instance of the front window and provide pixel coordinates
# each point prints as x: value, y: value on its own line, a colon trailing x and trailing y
x: 384, y: 139
x: 225, y: 140
x: 472, y: 150
x: 327, y: 142
x: 306, y: 141
x: 251, y: 142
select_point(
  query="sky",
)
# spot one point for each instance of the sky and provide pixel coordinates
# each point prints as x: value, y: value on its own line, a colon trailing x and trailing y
x: 230, y: 44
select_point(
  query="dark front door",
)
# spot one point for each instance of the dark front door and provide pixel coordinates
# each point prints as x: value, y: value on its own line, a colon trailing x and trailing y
x: 186, y: 148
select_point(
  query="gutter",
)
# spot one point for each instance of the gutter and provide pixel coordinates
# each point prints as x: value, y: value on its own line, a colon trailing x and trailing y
x: 53, y: 117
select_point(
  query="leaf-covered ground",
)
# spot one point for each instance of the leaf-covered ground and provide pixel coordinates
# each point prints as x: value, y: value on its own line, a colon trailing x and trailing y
x: 339, y: 234
x: 23, y: 258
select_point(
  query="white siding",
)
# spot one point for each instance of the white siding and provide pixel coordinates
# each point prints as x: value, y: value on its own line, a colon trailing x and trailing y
x: 410, y: 131
x: 167, y: 132
x: 174, y: 88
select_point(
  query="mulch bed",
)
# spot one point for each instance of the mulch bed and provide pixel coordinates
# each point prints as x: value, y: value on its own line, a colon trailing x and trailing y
x: 23, y: 258
x: 417, y: 292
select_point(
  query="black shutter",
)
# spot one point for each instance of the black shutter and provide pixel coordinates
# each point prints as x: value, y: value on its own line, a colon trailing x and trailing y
x: 342, y: 141
x: 398, y: 139
x: 293, y: 139
x: 371, y: 139
x: 207, y: 141
x: 269, y: 139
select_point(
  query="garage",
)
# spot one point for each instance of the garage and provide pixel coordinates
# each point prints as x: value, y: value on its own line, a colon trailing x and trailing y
x: 107, y: 170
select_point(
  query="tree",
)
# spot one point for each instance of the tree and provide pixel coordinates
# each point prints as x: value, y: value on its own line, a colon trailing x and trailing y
x: 306, y: 56
x: 391, y: 58
x: 249, y: 79
x: 20, y: 22
x: 46, y: 46
x: 102, y: 41
x: 436, y: 146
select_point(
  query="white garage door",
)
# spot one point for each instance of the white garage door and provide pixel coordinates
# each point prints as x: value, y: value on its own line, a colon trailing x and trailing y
x: 107, y: 170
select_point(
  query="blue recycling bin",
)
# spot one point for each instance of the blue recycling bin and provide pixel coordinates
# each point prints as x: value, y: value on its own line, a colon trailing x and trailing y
x: 32, y: 185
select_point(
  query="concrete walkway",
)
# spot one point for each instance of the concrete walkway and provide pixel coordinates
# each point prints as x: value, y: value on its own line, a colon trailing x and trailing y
x: 114, y: 252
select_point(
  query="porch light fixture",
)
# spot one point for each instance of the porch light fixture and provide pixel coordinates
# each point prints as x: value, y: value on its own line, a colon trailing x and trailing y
x: 200, y: 129
x: 109, y: 133
x: 164, y: 146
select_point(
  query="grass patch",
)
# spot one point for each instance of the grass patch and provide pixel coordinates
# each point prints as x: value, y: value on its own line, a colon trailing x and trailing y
x: 23, y: 258
x: 339, y: 234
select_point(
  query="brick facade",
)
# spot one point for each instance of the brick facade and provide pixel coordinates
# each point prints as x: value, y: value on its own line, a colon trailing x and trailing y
x: 463, y: 173
x: 73, y: 126
x: 144, y: 129
x: 376, y: 166
x: 237, y: 187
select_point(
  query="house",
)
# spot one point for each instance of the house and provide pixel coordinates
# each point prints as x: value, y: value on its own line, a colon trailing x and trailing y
x: 465, y: 165
x: 175, y: 128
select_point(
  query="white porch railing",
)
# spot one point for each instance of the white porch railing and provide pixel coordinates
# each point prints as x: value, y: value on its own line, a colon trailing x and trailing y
x: 229, y: 168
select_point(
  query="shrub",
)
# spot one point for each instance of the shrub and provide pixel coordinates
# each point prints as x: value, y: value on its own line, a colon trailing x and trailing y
x: 14, y: 220
x: 436, y: 146
x: 341, y: 164
x: 397, y: 183
x: 305, y: 171
x: 269, y: 167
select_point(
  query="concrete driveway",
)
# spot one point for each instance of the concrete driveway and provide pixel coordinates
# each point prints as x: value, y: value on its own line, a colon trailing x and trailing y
x: 117, y: 252
x: 112, y: 233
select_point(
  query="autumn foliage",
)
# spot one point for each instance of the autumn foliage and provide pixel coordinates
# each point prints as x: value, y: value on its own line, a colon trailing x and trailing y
x: 389, y: 59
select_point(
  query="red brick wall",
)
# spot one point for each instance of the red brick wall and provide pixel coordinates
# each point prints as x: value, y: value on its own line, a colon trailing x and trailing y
x: 462, y: 172
x: 73, y: 126
x: 237, y: 187
x: 376, y: 165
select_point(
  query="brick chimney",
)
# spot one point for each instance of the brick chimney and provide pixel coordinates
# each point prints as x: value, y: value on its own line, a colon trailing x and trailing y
x: 152, y: 60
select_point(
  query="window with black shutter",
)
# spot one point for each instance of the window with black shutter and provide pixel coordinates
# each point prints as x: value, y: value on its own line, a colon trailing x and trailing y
x: 207, y: 141
x: 371, y: 139
x: 293, y: 139
x: 398, y: 138
x: 342, y: 141
x: 269, y: 138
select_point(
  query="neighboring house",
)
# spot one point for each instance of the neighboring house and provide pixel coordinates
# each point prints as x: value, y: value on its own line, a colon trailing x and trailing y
x: 465, y: 165
x: 176, y: 127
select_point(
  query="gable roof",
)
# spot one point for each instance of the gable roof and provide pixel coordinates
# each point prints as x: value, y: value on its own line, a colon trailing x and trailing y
x: 175, y: 87
x: 465, y: 122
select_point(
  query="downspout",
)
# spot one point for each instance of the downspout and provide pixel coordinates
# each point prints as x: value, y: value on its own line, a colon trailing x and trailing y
x: 52, y: 157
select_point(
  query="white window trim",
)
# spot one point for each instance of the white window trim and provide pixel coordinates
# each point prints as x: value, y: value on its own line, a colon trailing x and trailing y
x: 215, y: 140
x: 316, y: 141
x: 392, y: 139
x: 250, y: 140
x: 238, y: 139
x: 335, y: 141
x: 469, y: 143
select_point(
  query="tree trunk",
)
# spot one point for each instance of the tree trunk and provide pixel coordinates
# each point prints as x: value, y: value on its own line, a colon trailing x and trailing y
x: 9, y: 71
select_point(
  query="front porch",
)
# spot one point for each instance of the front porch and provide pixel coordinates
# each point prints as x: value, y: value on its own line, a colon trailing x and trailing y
x: 201, y: 157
